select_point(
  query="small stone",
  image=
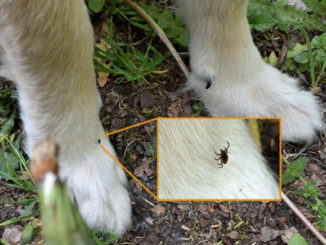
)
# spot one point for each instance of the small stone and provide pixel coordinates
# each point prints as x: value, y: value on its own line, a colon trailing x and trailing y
x: 12, y: 234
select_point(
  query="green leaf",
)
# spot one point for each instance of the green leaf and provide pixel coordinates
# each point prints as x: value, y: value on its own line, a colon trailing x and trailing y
x: 302, y: 58
x: 28, y: 233
x: 319, y: 41
x: 297, y: 239
x: 96, y: 5
x: 297, y: 49
x: 260, y: 21
x: 293, y: 170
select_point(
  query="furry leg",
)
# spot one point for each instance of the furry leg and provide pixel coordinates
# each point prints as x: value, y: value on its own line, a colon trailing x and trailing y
x: 222, y: 51
x: 47, y: 47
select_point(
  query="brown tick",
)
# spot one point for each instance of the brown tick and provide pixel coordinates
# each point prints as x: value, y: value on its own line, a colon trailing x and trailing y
x: 223, y: 156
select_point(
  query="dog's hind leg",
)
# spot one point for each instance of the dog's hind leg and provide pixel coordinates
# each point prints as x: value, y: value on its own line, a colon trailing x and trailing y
x: 47, y: 46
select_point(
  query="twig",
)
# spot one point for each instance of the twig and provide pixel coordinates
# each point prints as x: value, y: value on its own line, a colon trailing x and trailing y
x: 303, y: 218
x: 160, y: 33
x: 127, y: 146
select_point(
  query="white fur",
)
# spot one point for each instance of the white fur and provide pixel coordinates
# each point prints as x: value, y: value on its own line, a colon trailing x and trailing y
x: 47, y: 48
x: 187, y: 169
x: 221, y: 49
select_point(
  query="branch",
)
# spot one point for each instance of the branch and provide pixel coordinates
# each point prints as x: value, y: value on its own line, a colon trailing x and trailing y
x: 303, y: 218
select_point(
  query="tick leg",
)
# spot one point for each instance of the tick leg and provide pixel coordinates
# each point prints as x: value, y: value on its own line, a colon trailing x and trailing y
x: 217, y: 153
x: 228, y: 145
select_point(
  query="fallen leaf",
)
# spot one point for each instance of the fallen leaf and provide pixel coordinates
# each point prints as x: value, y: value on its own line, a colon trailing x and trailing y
x: 233, y: 235
x: 143, y: 168
x: 284, y: 219
x: 224, y: 208
x: 271, y: 207
x: 267, y: 234
x: 149, y: 128
x: 172, y: 97
x: 149, y: 220
x: 153, y: 238
x: 158, y: 210
x: 174, y: 110
x: 102, y: 77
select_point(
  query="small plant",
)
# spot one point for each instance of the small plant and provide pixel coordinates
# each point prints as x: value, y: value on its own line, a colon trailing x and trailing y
x: 153, y: 153
x: 128, y: 63
x: 13, y: 165
x: 198, y: 108
x: 265, y: 14
x: 307, y: 57
x: 171, y: 24
x: 311, y: 193
x: 105, y: 237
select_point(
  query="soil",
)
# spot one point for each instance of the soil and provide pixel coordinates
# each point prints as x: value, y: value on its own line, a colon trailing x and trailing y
x: 188, y: 222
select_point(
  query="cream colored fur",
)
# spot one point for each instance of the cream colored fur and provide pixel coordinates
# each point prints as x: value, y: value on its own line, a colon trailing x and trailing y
x: 222, y: 50
x: 187, y: 169
x: 47, y: 48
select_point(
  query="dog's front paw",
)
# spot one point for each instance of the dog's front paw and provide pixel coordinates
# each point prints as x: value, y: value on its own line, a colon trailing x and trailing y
x: 265, y: 92
x: 97, y: 184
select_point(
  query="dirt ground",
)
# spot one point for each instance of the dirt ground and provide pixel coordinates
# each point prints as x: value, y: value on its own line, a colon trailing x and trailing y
x: 188, y: 222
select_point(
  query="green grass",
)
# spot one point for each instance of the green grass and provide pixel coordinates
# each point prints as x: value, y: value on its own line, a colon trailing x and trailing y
x: 129, y: 64
x: 13, y: 164
x: 311, y: 194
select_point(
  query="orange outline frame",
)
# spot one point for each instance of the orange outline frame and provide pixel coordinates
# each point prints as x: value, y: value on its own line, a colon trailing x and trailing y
x: 157, y: 168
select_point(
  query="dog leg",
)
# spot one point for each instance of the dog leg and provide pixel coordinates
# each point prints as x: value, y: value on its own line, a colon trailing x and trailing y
x: 47, y: 46
x: 222, y: 51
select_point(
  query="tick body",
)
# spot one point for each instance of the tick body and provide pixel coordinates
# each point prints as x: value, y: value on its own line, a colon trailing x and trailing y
x: 222, y: 156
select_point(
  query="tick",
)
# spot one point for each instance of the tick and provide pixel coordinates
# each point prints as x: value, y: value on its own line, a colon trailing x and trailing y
x: 222, y: 156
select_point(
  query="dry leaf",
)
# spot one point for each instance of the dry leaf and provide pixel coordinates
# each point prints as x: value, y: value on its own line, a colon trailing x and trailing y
x: 149, y: 220
x: 143, y: 168
x: 102, y: 77
x: 267, y: 234
x: 158, y: 210
x: 224, y: 208
x: 233, y: 235
x: 149, y: 128
x: 271, y: 207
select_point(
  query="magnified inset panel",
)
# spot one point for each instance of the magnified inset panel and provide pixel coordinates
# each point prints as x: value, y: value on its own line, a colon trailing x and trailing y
x: 212, y: 158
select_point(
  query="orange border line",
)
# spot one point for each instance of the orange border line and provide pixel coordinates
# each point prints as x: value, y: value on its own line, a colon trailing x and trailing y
x: 128, y: 172
x: 223, y: 118
x: 157, y: 158
x: 280, y: 158
x: 123, y: 129
x: 218, y: 200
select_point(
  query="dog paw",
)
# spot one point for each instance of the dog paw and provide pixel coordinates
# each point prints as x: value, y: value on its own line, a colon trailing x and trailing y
x: 98, y: 186
x: 266, y: 92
